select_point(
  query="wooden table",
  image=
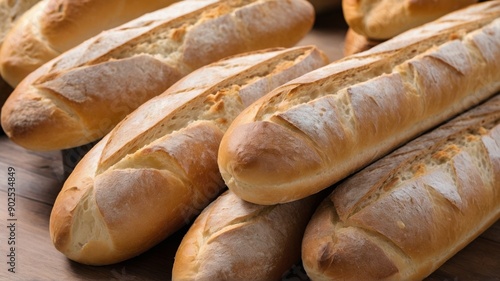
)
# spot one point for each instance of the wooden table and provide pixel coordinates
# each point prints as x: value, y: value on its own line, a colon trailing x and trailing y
x: 39, y: 177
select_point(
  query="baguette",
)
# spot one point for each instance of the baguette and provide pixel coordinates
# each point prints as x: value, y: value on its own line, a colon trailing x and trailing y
x: 404, y: 216
x: 316, y: 130
x: 81, y: 95
x: 236, y: 240
x: 52, y: 27
x: 157, y: 168
x: 5, y: 91
x: 10, y: 11
x: 384, y: 19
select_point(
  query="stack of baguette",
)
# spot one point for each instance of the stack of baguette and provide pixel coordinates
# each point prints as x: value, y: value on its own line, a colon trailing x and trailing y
x: 398, y: 219
x: 201, y: 121
x: 157, y: 169
x: 82, y: 94
x: 374, y: 21
x: 10, y: 11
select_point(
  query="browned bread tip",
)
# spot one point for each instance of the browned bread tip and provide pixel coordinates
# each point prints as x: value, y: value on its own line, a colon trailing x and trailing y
x: 236, y: 240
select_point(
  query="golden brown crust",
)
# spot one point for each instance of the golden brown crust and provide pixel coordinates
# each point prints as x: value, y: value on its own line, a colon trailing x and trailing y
x: 55, y: 26
x: 157, y: 168
x: 415, y: 208
x: 87, y: 90
x: 325, y: 125
x: 18, y: 58
x: 236, y: 240
x: 384, y: 19
x: 10, y: 12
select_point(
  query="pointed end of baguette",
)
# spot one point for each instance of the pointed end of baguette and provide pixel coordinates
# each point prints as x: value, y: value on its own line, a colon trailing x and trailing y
x: 345, y: 254
x: 30, y: 118
x: 265, y: 164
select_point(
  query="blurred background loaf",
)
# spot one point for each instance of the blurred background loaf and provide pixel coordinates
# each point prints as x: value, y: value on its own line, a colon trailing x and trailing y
x: 10, y: 11
x: 82, y: 94
x: 373, y: 21
x: 383, y: 19
x: 54, y: 26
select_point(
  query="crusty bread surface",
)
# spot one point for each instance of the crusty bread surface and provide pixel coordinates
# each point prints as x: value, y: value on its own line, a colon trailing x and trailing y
x: 157, y: 169
x: 236, y: 240
x: 52, y: 27
x: 10, y: 11
x: 402, y: 217
x: 81, y: 95
x: 384, y: 19
x: 316, y: 130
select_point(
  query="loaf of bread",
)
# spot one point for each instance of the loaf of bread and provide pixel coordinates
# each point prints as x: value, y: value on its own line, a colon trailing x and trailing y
x: 384, y: 19
x: 236, y: 240
x: 402, y: 217
x: 316, y: 130
x: 157, y: 169
x: 10, y: 11
x: 52, y: 27
x: 355, y: 43
x: 81, y: 95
